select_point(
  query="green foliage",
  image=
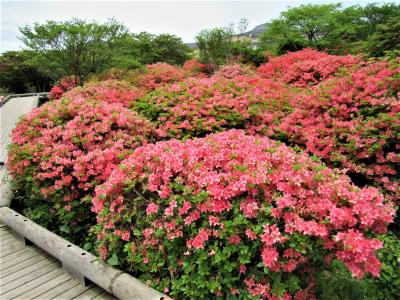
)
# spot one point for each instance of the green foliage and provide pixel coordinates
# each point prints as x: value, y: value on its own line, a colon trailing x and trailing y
x: 336, y: 282
x: 17, y: 75
x: 148, y: 48
x: 248, y: 55
x: 215, y: 45
x: 386, y: 37
x: 303, y: 26
x: 373, y: 29
x: 170, y: 49
x: 73, y: 47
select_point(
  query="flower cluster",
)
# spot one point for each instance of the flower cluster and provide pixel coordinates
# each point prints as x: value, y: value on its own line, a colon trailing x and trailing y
x: 65, y: 84
x: 67, y: 147
x: 197, y: 106
x: 245, y: 205
x: 234, y: 70
x: 109, y: 91
x: 352, y: 122
x: 158, y: 74
x: 306, y: 67
x: 194, y: 68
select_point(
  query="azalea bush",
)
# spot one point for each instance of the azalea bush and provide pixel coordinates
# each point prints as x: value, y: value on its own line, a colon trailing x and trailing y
x: 351, y: 121
x: 306, y: 67
x: 197, y: 106
x: 65, y: 84
x: 66, y: 147
x: 235, y: 216
x: 159, y: 74
x: 110, y: 91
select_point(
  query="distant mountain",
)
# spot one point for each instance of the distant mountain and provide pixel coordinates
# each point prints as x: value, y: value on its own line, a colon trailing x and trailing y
x: 256, y: 31
x: 254, y: 34
x: 191, y: 45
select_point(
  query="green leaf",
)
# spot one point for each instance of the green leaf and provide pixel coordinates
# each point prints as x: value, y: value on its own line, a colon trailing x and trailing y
x: 113, y: 260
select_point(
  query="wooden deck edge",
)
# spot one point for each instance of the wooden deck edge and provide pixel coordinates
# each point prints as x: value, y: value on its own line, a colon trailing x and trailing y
x: 78, y: 262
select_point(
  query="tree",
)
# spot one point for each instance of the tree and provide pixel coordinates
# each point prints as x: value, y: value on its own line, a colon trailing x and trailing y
x: 303, y: 26
x: 386, y: 38
x: 17, y: 75
x: 330, y: 28
x: 73, y: 47
x: 149, y: 48
x: 215, y: 45
x: 170, y: 49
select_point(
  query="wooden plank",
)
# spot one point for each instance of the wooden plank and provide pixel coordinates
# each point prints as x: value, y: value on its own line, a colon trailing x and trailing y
x: 2, y: 225
x: 28, y: 270
x: 23, y: 257
x: 4, y: 231
x: 47, y: 286
x: 4, y: 234
x: 74, y: 292
x: 105, y: 296
x: 15, y: 253
x: 31, y: 284
x: 55, y: 292
x: 6, y: 252
x: 28, y: 277
x: 10, y: 245
x: 6, y: 239
x: 89, y: 294
x: 24, y: 264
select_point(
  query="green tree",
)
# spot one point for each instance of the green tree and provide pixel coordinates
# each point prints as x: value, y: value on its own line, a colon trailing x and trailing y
x: 337, y: 30
x: 386, y: 38
x: 303, y: 26
x: 149, y: 48
x: 73, y: 47
x: 17, y: 75
x: 215, y: 45
x: 170, y: 48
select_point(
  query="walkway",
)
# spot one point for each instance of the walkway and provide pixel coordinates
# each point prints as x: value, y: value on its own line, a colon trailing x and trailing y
x: 27, y: 272
x: 10, y: 113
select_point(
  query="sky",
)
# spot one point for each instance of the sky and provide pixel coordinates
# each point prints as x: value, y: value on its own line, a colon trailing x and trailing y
x: 182, y: 18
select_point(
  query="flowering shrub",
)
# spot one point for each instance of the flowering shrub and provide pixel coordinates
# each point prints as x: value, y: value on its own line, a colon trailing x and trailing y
x: 197, y: 106
x: 232, y: 214
x: 194, y: 68
x: 234, y: 70
x: 65, y: 84
x: 305, y: 67
x: 63, y: 149
x: 158, y: 74
x: 351, y: 122
x: 110, y: 91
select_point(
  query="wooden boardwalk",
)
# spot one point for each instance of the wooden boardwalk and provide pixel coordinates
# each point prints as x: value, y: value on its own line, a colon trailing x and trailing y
x: 27, y: 272
x: 10, y: 113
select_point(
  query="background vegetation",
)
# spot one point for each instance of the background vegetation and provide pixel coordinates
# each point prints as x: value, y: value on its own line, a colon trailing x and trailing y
x: 81, y: 49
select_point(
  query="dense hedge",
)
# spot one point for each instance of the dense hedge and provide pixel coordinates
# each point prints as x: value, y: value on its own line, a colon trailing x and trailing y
x: 233, y: 214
